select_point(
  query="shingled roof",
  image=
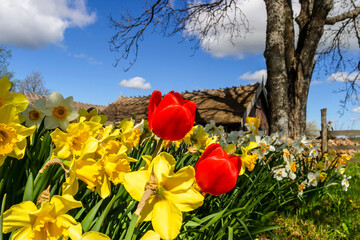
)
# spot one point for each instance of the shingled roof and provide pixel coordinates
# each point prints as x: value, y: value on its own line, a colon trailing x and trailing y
x: 32, y: 97
x: 225, y: 106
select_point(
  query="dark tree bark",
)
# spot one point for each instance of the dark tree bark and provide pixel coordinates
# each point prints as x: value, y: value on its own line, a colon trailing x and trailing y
x: 290, y: 58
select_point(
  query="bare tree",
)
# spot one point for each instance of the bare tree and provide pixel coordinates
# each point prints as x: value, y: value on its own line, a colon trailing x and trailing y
x: 33, y: 83
x: 5, y: 56
x: 324, y: 29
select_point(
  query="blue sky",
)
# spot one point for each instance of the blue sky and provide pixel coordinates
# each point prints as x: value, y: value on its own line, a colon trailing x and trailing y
x: 69, y: 45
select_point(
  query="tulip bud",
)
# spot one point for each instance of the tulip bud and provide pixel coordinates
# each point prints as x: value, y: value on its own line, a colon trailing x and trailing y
x: 172, y: 117
x: 216, y: 171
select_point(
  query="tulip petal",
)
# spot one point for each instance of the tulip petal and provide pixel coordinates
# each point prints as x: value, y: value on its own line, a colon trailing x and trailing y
x: 186, y: 200
x: 64, y: 203
x: 134, y: 183
x: 166, y: 219
x: 19, y: 215
x: 153, y: 103
x: 182, y: 180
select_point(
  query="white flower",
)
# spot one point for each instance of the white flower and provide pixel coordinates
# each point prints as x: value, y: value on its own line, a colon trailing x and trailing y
x: 236, y: 137
x: 312, y: 177
x: 313, y: 152
x: 211, y: 128
x: 280, y: 173
x: 34, y: 113
x: 291, y: 169
x: 59, y: 112
x: 345, y: 182
x: 300, y: 144
x: 302, y: 186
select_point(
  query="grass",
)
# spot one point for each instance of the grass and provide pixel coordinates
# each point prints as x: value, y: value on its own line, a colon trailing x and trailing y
x: 336, y: 216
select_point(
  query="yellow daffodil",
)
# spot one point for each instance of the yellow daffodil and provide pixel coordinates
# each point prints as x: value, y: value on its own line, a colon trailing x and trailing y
x: 59, y: 112
x: 254, y: 123
x: 70, y: 143
x: 113, y: 168
x: 92, y: 116
x: 84, y: 168
x: 94, y: 236
x: 18, y: 100
x: 249, y: 160
x: 48, y: 222
x: 130, y: 136
x: 33, y: 113
x: 12, y: 134
x: 322, y: 176
x: 150, y: 235
x: 199, y: 137
x: 174, y: 194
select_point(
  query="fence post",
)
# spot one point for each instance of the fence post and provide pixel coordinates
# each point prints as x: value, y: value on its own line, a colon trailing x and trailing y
x: 324, y: 131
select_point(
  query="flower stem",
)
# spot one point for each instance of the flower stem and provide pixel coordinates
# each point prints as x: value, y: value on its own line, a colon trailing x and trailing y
x: 158, y: 148
x: 131, y: 227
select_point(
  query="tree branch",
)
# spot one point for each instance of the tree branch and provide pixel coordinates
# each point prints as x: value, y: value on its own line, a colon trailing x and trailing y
x: 346, y: 15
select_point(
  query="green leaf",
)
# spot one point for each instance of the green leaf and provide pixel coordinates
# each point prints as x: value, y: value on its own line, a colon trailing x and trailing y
x: 230, y: 233
x: 268, y: 216
x: 89, y: 218
x: 29, y: 188
x: 214, y: 218
x: 102, y: 217
x: 1, y: 215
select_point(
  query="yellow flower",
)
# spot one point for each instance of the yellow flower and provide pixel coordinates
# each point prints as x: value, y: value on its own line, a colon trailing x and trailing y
x: 113, y: 168
x: 71, y: 143
x: 199, y: 137
x: 92, y: 116
x: 174, y: 194
x: 12, y: 134
x: 95, y: 236
x: 129, y: 135
x: 18, y: 100
x: 48, y: 222
x: 254, y: 123
x: 248, y: 160
x: 59, y: 112
x: 322, y: 176
x: 84, y: 167
x: 150, y: 235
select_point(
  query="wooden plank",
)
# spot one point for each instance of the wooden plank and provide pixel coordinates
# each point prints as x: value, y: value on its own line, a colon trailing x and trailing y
x: 344, y: 133
x: 324, y: 132
x: 343, y: 147
x: 354, y: 160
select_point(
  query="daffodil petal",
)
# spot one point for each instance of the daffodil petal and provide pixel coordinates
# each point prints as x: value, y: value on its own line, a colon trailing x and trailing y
x: 150, y: 235
x: 181, y: 180
x: 134, y: 183
x: 186, y: 201
x: 166, y: 219
x: 163, y: 165
x: 94, y: 235
x: 104, y: 189
x: 24, y: 233
x: 146, y: 212
x: 19, y: 215
x: 64, y: 203
x: 74, y: 228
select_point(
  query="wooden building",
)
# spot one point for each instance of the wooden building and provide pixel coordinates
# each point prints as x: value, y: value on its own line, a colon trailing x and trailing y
x: 227, y: 107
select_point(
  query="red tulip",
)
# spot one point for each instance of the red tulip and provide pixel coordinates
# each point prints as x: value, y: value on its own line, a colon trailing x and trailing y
x: 172, y: 117
x: 216, y: 171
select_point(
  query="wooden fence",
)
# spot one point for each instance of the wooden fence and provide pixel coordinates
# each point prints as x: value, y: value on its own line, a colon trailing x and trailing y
x: 326, y: 133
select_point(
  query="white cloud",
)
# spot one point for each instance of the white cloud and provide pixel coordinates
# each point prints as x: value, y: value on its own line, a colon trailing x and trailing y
x: 316, y: 82
x: 254, y: 77
x: 356, y: 110
x: 136, y: 82
x: 37, y: 23
x: 251, y: 43
x: 343, y: 76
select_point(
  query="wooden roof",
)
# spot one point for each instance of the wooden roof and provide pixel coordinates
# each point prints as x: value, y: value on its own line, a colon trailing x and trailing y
x: 32, y: 97
x: 224, y: 106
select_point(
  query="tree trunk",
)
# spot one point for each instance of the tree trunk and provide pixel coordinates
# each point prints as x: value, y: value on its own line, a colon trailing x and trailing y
x: 290, y: 69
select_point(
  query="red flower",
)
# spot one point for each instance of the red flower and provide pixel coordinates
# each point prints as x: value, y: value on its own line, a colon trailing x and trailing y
x: 172, y: 117
x: 217, y: 171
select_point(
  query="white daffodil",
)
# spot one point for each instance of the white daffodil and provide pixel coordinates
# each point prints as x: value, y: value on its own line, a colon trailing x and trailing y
x: 313, y: 178
x: 313, y: 152
x: 280, y: 173
x: 236, y: 137
x: 302, y: 186
x: 300, y: 144
x: 291, y: 169
x: 59, y: 112
x: 345, y: 182
x: 34, y: 113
